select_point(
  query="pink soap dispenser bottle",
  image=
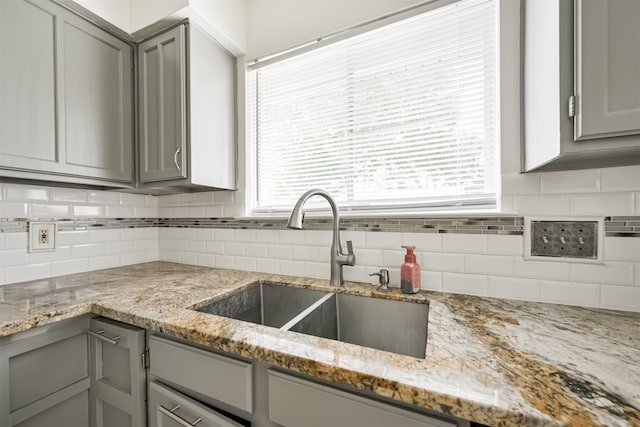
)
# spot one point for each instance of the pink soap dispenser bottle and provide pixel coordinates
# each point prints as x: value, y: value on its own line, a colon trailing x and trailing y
x: 410, y: 272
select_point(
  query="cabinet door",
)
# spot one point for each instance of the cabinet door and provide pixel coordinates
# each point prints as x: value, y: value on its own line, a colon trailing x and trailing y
x: 97, y: 95
x: 607, y: 68
x: 44, y: 376
x: 168, y: 408
x: 28, y: 37
x: 117, y: 393
x: 162, y: 109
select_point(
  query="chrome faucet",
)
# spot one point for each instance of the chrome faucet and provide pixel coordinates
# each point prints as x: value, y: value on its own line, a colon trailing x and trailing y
x: 338, y: 259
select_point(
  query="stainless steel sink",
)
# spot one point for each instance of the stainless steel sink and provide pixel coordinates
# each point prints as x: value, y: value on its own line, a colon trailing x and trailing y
x: 264, y: 304
x: 394, y: 326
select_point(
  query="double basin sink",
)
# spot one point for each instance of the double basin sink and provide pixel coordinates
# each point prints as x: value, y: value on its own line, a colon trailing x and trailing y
x: 389, y: 325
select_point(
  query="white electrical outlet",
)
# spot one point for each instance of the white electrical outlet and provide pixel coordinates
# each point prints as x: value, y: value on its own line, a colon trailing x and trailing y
x: 42, y: 236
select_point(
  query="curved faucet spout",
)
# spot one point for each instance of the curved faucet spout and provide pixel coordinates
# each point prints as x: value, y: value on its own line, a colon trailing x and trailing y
x: 338, y: 259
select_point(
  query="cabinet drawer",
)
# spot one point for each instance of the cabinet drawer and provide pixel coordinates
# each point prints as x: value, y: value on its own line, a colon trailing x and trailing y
x: 169, y: 408
x: 297, y: 402
x: 224, y: 379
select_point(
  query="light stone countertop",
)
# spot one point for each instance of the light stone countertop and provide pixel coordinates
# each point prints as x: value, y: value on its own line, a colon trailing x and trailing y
x: 497, y: 362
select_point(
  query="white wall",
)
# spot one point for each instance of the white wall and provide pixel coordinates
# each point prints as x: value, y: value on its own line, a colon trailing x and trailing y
x: 275, y: 25
x: 117, y: 12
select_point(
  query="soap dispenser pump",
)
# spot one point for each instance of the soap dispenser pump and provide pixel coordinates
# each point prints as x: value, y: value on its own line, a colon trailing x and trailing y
x: 410, y: 272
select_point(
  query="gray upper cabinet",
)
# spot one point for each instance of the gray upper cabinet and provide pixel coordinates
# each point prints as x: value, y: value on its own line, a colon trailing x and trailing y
x: 163, y: 138
x: 607, y: 68
x: 65, y: 97
x: 98, y: 115
x: 186, y: 112
x: 581, y: 106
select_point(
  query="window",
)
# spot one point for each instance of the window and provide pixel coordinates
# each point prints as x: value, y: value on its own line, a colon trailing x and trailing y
x: 400, y: 117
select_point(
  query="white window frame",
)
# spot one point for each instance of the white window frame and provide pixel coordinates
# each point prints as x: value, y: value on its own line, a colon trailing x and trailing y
x: 508, y: 100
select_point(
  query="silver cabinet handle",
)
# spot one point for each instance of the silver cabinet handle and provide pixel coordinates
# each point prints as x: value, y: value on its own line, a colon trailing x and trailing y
x: 175, y: 158
x: 175, y: 417
x: 100, y: 335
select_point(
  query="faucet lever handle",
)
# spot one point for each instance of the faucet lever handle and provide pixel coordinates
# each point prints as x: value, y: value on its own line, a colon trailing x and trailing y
x: 351, y: 257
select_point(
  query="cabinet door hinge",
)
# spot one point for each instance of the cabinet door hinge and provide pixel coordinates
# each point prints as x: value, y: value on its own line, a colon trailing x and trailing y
x: 145, y: 358
x: 572, y: 106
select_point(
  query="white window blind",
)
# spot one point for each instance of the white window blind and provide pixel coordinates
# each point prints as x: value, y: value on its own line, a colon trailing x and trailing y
x: 403, y: 116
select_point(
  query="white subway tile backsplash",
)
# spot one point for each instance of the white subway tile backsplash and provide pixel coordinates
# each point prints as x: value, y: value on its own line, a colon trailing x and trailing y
x: 3, y: 241
x: 395, y: 258
x: 14, y: 210
x: 621, y: 249
x: 431, y: 281
x: 518, y: 184
x: 370, y: 257
x: 224, y: 235
x: 133, y: 258
x: 292, y: 268
x: 514, y: 288
x: 23, y: 273
x: 149, y: 245
x: 88, y: 250
x: 225, y: 261
x: 103, y: 197
x: 24, y: 192
x: 245, y: 263
x: 357, y: 238
x: 206, y: 260
x: 196, y: 246
x: 464, y: 284
x: 436, y: 261
x: 279, y: 252
x: 307, y: 253
x: 317, y: 270
x: 2, y: 280
x: 195, y: 211
x: 257, y: 250
x: 319, y: 238
x: 492, y: 265
x: 107, y: 261
x: 215, y: 247
x: 109, y: 235
x: 214, y: 211
x: 189, y: 258
x: 602, y: 204
x: 267, y: 236
x: 621, y: 179
x: 14, y: 257
x: 613, y: 273
x: 541, y: 205
x: 247, y: 236
x: 205, y: 234
x: 65, y: 238
x: 141, y: 233
x: 223, y: 197
x: 17, y: 240
x: 267, y: 265
x: 72, y: 266
x: 620, y: 297
x: 113, y: 211
x: 60, y: 254
x: 118, y: 247
x: 233, y: 248
x: 38, y: 210
x: 378, y: 240
x: 181, y: 245
x: 424, y: 242
x: 541, y: 269
x: 505, y: 245
x: 575, y: 181
x: 291, y: 237
x: 584, y: 294
x: 145, y: 212
x: 205, y: 198
x: 464, y: 243
x: 68, y: 195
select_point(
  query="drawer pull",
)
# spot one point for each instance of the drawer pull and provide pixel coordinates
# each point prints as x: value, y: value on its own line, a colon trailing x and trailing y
x: 100, y: 335
x: 175, y: 158
x: 177, y: 418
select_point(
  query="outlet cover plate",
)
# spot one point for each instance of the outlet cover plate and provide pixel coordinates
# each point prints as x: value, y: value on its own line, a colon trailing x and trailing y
x: 42, y: 236
x: 564, y: 239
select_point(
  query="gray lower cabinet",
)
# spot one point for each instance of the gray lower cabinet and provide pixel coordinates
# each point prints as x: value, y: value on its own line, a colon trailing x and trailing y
x: 66, y: 97
x: 186, y: 114
x: 295, y: 402
x: 45, y: 376
x: 118, y: 374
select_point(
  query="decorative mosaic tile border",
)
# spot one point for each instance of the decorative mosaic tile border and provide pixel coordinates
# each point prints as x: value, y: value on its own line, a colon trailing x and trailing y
x: 615, y: 226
